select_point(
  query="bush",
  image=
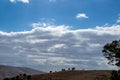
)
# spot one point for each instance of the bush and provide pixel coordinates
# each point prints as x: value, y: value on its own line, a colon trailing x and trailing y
x: 115, y: 75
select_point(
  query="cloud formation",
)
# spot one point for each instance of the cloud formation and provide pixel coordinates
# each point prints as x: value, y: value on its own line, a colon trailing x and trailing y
x: 23, y: 1
x: 81, y: 15
x: 52, y: 0
x: 53, y: 47
x: 118, y: 21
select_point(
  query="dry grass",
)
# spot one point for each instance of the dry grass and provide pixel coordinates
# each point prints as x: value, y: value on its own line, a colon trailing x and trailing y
x: 75, y: 75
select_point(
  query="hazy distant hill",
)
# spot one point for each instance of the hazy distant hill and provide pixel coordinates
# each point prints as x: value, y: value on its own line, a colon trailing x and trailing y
x: 75, y: 75
x: 9, y: 71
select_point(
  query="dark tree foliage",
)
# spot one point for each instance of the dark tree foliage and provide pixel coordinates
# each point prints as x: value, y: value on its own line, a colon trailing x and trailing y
x: 50, y: 71
x: 24, y: 75
x: 28, y: 77
x: 73, y: 68
x: 111, y: 51
x: 68, y: 69
x: 6, y: 79
x: 63, y: 70
x: 20, y: 77
x: 115, y: 75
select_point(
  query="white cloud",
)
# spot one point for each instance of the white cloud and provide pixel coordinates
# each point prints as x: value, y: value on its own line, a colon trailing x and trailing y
x: 23, y: 1
x: 57, y: 46
x: 118, y: 21
x: 81, y: 15
x: 52, y: 0
x: 12, y: 1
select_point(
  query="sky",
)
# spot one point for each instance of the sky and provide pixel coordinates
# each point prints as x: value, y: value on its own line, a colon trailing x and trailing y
x: 54, y: 34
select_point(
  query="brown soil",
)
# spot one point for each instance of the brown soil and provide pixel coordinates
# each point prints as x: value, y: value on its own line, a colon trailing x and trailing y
x: 75, y: 75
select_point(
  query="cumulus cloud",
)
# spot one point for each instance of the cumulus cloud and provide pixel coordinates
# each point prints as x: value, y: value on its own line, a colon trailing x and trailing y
x: 23, y: 1
x: 81, y: 15
x: 54, y: 47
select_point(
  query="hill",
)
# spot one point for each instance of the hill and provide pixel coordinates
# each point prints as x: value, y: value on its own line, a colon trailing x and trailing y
x: 75, y: 75
x: 9, y: 71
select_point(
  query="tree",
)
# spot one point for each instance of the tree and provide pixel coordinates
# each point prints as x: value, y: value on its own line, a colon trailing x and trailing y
x: 14, y: 78
x: 17, y: 78
x: 24, y: 74
x: 68, y: 69
x: 63, y: 70
x: 28, y: 77
x: 73, y: 68
x: 114, y: 75
x: 111, y: 51
x: 6, y: 79
x: 50, y: 71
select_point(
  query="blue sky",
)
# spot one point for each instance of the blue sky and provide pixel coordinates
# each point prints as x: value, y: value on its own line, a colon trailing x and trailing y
x: 18, y: 16
x: 54, y: 34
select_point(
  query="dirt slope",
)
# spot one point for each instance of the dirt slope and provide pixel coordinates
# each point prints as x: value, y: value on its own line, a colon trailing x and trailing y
x: 74, y: 75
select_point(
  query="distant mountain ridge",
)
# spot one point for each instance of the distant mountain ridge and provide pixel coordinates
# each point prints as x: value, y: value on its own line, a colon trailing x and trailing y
x: 9, y: 71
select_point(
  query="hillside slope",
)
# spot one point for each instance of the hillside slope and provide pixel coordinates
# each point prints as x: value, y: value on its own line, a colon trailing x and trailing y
x: 9, y: 71
x: 74, y: 75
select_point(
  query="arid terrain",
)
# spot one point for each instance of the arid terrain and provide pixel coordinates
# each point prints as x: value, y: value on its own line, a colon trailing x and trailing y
x: 12, y: 72
x: 74, y: 75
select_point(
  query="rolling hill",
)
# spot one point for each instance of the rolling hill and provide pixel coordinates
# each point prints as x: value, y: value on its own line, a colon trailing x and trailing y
x: 75, y: 75
x: 9, y: 71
